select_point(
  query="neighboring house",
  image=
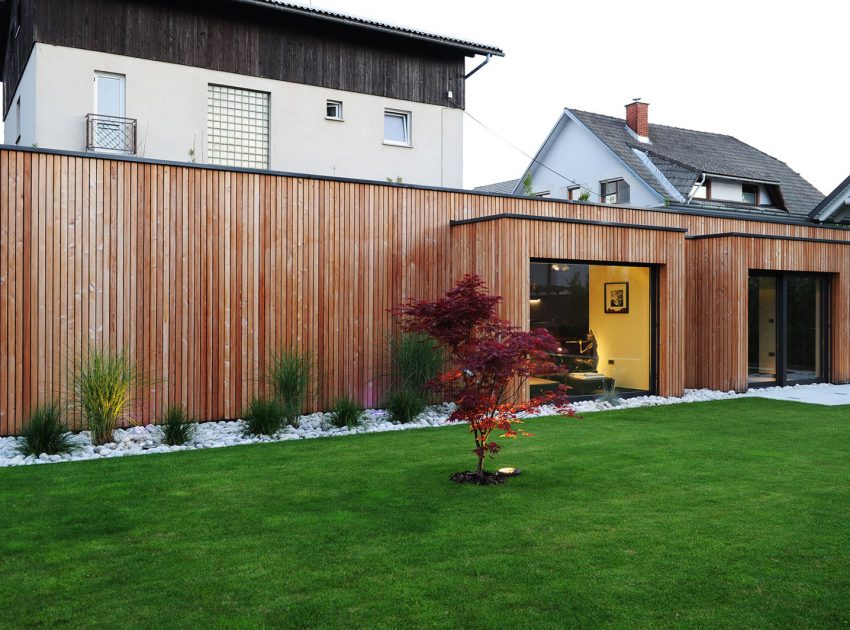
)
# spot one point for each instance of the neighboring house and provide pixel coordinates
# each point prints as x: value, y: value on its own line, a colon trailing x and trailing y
x: 634, y: 162
x: 835, y: 207
x: 247, y: 83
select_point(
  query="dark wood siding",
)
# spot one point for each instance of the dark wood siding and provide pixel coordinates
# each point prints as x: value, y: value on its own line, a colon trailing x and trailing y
x: 256, y: 41
x: 17, y: 50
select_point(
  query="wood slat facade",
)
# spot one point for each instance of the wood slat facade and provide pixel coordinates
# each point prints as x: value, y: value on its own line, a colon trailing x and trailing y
x: 199, y: 272
x: 243, y: 38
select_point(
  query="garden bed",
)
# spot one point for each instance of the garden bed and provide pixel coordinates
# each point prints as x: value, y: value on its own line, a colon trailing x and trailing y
x: 142, y: 440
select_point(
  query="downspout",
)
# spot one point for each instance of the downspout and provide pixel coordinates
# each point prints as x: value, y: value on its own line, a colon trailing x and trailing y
x: 696, y: 188
x: 479, y: 66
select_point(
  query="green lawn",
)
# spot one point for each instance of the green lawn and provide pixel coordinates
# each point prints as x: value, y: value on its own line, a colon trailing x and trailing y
x: 730, y: 513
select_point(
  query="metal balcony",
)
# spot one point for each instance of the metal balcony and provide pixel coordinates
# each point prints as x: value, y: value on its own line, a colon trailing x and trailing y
x: 110, y: 134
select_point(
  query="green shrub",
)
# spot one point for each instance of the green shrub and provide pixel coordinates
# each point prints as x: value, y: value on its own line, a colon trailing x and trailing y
x: 288, y: 376
x: 415, y: 359
x: 104, y: 386
x: 346, y: 412
x: 177, y: 427
x: 45, y: 432
x: 265, y: 416
x: 404, y: 404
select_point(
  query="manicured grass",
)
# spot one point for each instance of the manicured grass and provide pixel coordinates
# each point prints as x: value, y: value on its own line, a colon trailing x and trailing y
x: 732, y: 513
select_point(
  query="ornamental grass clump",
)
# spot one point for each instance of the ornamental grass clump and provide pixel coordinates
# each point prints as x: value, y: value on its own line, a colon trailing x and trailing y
x: 265, y: 416
x: 346, y: 412
x: 177, y: 427
x: 104, y: 387
x: 288, y: 377
x: 45, y: 432
x: 415, y: 360
x: 404, y: 404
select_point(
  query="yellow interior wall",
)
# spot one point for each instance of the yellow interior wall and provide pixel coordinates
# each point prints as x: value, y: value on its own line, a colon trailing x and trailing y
x: 622, y: 337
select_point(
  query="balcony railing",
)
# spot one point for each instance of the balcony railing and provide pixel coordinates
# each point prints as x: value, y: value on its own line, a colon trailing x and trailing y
x: 110, y: 134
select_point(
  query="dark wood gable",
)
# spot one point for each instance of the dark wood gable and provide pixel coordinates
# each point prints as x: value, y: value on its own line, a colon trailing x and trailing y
x: 244, y: 39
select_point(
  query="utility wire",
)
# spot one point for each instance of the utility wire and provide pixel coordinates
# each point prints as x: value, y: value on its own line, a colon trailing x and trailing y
x: 530, y: 157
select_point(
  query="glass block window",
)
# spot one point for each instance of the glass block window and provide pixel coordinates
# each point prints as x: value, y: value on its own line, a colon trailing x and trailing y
x: 238, y: 127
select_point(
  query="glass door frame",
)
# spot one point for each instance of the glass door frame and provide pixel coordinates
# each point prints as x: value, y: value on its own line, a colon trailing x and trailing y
x: 782, y: 327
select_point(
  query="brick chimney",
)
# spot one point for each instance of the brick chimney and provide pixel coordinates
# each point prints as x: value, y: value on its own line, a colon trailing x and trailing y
x: 637, y: 117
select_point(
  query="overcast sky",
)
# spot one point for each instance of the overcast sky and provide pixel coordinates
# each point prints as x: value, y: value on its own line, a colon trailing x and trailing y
x: 773, y: 74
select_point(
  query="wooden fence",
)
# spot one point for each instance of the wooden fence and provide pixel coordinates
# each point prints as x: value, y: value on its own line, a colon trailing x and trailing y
x: 200, y: 272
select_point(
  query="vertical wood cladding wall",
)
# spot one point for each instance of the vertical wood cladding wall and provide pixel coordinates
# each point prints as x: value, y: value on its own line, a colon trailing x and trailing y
x: 199, y: 272
x: 717, y: 294
x: 500, y: 251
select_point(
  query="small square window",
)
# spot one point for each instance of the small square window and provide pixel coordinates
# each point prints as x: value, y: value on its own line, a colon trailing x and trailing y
x: 397, y: 127
x: 334, y: 110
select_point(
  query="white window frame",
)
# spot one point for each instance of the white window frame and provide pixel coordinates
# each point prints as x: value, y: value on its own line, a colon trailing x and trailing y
x: 122, y: 104
x: 338, y: 104
x: 408, y: 121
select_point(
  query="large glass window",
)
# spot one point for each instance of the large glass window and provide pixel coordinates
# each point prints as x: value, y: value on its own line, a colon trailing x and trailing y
x: 238, y: 127
x: 601, y: 315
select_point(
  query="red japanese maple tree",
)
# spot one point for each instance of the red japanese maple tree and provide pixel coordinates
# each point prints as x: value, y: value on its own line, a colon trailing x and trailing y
x: 489, y: 361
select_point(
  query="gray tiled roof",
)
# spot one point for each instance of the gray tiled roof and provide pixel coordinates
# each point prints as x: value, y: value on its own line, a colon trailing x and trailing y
x: 467, y: 46
x: 683, y: 154
x: 499, y: 188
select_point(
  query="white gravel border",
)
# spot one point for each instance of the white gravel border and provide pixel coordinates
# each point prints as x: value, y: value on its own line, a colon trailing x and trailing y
x: 142, y: 440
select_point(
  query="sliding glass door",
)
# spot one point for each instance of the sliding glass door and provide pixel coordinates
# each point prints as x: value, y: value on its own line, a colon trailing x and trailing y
x: 788, y: 328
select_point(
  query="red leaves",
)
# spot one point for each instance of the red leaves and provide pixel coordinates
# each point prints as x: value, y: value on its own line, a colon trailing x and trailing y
x: 489, y: 360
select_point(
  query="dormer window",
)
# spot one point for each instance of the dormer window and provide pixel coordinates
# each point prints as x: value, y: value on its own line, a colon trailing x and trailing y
x: 750, y: 194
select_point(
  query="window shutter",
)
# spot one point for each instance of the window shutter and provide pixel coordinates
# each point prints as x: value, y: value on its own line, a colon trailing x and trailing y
x: 623, y: 192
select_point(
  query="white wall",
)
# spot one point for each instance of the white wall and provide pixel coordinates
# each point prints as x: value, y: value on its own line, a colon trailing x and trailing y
x: 579, y: 155
x: 26, y: 92
x: 170, y: 103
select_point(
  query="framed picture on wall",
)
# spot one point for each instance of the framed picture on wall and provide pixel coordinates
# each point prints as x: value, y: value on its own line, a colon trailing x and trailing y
x: 616, y: 297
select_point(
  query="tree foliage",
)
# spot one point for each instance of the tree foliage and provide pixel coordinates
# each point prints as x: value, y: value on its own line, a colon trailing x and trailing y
x: 489, y: 360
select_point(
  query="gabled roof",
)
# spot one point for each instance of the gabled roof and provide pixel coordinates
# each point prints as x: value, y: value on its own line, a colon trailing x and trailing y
x: 835, y: 205
x: 683, y: 155
x: 500, y: 188
x: 467, y: 47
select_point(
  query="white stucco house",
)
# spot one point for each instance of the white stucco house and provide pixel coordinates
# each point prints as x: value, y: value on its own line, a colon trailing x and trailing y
x: 255, y: 84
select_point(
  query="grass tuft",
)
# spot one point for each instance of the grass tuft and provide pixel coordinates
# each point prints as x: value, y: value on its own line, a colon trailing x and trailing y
x: 288, y: 376
x: 104, y: 386
x: 415, y: 359
x: 265, y: 416
x: 346, y: 412
x: 405, y: 404
x: 45, y: 432
x: 177, y: 427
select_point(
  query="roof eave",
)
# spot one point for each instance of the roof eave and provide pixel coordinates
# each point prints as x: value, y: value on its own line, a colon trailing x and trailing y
x: 468, y: 48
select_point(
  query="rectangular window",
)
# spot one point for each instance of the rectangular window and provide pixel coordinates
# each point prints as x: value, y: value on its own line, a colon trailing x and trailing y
x: 601, y: 315
x: 397, y: 127
x: 750, y: 194
x: 238, y: 127
x: 614, y: 191
x: 333, y: 110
